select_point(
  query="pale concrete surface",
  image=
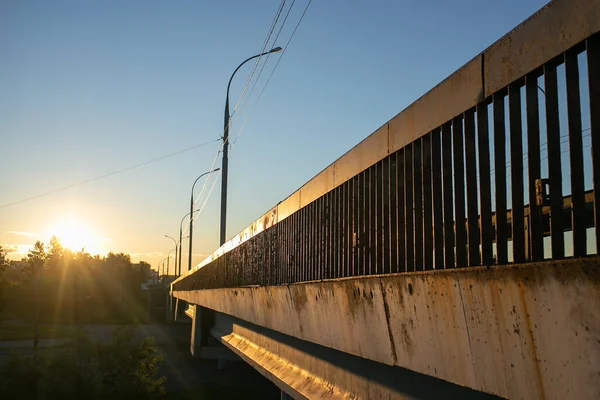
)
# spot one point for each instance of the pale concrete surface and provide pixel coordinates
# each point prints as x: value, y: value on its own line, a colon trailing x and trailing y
x: 519, y: 331
x: 305, y: 370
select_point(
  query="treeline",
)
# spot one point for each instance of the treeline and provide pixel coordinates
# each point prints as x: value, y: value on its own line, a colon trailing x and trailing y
x: 55, y: 285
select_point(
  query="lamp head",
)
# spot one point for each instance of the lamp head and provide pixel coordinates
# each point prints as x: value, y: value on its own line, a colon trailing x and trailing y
x: 275, y: 50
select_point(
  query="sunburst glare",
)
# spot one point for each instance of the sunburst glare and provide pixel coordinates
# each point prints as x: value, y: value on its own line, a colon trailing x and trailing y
x: 75, y: 235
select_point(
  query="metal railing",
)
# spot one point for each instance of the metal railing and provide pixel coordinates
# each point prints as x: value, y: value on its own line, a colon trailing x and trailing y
x: 436, y: 195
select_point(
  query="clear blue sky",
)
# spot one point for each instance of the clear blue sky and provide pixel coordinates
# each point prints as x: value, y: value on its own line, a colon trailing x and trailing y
x: 88, y: 88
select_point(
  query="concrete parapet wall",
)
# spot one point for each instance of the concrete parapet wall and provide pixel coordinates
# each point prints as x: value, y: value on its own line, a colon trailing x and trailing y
x: 521, y: 331
x: 556, y: 27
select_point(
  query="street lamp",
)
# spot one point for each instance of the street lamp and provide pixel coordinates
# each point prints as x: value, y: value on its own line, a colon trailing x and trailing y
x: 161, y: 267
x: 165, y: 267
x: 169, y: 257
x: 174, y: 241
x: 226, y: 148
x: 180, y: 242
x: 192, y: 216
x: 181, y: 238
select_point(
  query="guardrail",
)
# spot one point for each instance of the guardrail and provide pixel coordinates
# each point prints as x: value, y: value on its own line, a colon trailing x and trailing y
x: 402, y: 199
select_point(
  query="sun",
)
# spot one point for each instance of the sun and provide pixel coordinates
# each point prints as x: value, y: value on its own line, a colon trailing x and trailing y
x: 74, y: 235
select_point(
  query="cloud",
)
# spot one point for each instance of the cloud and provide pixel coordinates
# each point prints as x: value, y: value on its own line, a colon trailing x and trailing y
x: 21, y: 233
x: 153, y: 254
x: 17, y: 248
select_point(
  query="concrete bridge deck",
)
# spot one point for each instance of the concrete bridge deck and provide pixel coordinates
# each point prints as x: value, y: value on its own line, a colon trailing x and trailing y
x: 410, y: 264
x: 521, y: 331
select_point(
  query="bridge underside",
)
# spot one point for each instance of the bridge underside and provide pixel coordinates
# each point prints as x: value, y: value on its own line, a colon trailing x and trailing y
x: 519, y: 331
x: 306, y: 370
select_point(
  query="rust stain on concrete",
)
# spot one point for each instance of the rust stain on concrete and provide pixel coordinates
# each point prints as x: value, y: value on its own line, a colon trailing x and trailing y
x: 496, y: 304
x: 389, y: 327
x: 524, y: 313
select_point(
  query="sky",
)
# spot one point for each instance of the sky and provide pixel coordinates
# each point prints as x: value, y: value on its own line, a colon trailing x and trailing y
x: 90, y: 88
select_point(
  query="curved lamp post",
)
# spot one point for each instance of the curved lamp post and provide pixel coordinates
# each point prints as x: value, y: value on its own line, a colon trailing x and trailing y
x: 169, y: 257
x: 174, y: 241
x: 162, y: 267
x: 192, y: 216
x: 181, y: 243
x: 181, y: 238
x: 165, y: 266
x: 226, y: 148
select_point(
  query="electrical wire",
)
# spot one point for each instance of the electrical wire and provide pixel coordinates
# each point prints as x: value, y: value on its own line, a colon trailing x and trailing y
x: 226, y: 141
x: 545, y: 144
x: 273, y: 24
x: 61, y: 189
x: 263, y: 49
x: 525, y: 167
x: 198, y: 211
x: 274, y: 68
x: 208, y: 196
x: 278, y: 13
x: 260, y: 72
x: 196, y: 215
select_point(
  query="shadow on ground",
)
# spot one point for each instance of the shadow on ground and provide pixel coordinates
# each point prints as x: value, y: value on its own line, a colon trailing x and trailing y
x: 193, y: 378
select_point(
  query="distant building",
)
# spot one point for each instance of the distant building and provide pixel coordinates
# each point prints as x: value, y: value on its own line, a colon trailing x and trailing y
x: 150, y: 275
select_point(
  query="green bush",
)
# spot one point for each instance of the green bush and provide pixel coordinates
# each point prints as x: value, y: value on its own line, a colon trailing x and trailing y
x: 84, y: 369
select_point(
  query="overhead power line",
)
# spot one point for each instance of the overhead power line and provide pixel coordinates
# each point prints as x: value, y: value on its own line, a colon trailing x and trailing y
x: 264, y: 46
x: 241, y: 111
x: 274, y: 68
x: 266, y: 60
x: 263, y: 49
x: 61, y: 189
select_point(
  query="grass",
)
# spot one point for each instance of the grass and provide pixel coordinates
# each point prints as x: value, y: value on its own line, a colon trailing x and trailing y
x: 20, y: 331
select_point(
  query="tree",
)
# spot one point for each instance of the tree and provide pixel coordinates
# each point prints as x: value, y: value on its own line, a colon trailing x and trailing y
x: 3, y: 260
x: 3, y: 279
x: 123, y: 368
x: 129, y: 369
x: 60, y: 286
x: 55, y: 249
x: 144, y: 271
x: 55, y: 255
x: 37, y: 260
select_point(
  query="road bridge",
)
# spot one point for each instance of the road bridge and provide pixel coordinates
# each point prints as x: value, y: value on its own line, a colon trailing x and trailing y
x: 451, y: 253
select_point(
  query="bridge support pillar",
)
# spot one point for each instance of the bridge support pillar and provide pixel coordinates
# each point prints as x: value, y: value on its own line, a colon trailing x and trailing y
x: 202, y: 344
x: 197, y: 339
x: 169, y: 308
x: 179, y: 313
x: 202, y: 322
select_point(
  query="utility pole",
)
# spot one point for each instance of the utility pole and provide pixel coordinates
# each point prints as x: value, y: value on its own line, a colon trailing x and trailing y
x: 225, y: 170
x: 174, y: 241
x: 191, y: 214
x: 180, y: 246
x: 225, y: 165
